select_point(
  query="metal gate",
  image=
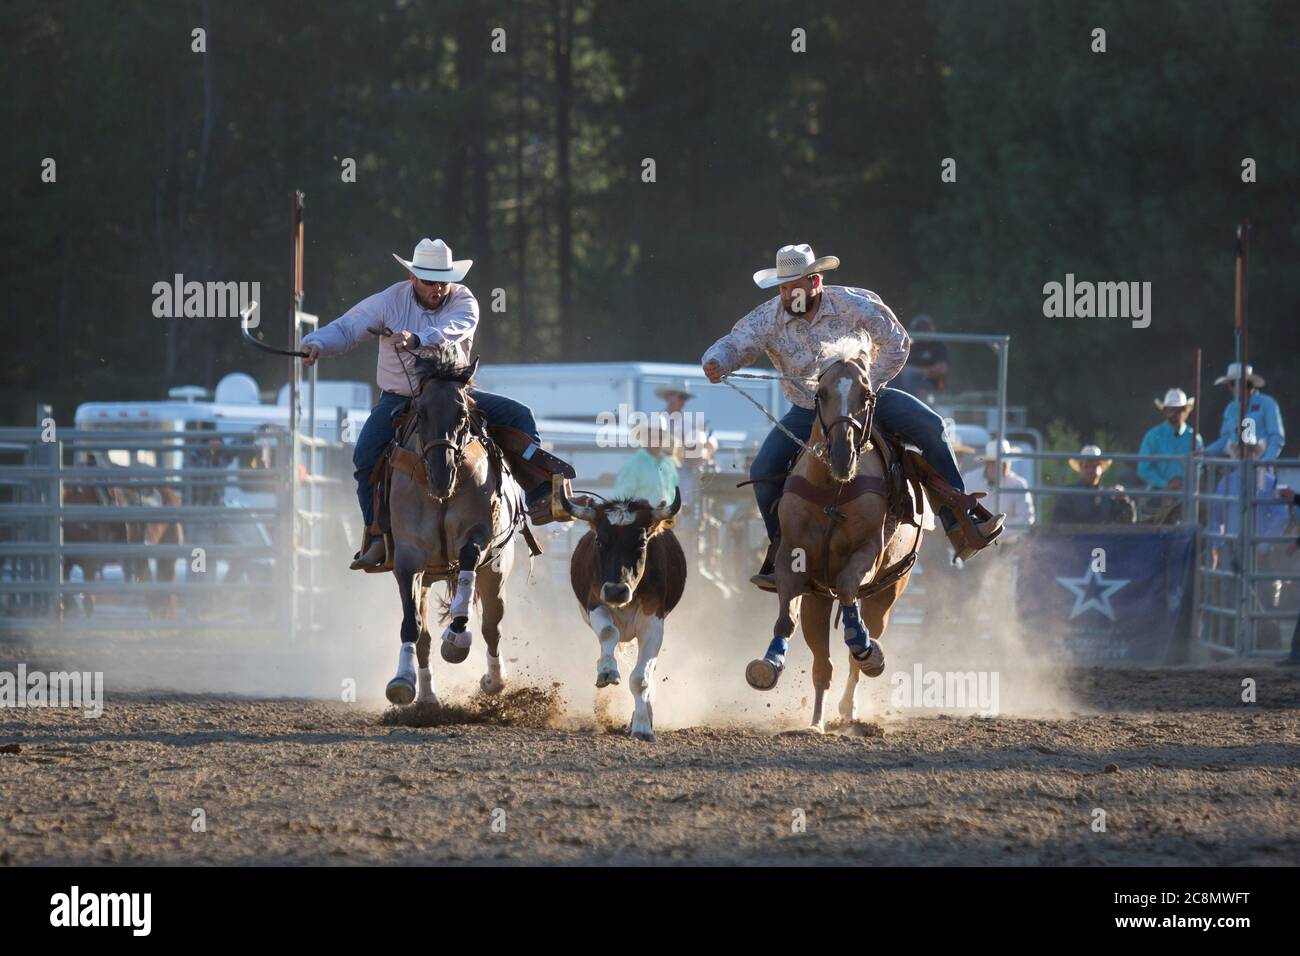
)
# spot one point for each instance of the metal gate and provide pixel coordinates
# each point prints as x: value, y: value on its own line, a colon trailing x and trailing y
x: 1247, y: 584
x: 81, y: 512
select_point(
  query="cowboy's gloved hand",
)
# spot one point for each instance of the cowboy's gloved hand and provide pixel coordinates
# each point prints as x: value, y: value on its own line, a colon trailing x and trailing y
x: 405, y: 340
x: 313, y: 353
x: 713, y: 371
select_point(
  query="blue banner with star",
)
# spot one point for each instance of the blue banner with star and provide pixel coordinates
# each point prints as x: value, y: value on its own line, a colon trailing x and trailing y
x: 1108, y: 596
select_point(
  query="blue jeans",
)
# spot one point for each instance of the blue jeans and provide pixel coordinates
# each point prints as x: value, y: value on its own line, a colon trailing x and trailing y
x: 896, y: 411
x: 378, y: 432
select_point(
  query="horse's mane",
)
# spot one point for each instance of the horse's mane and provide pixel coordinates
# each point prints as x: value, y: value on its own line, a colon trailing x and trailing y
x: 443, y: 364
x: 855, y: 344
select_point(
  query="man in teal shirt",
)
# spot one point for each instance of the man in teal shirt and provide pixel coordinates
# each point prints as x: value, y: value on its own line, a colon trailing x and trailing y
x: 1260, y: 408
x: 1173, y: 437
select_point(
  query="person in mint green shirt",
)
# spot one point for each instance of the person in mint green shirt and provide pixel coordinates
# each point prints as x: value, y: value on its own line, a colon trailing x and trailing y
x: 1171, y: 437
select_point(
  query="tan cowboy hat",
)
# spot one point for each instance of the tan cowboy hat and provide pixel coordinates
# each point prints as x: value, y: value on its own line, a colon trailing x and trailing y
x: 794, y: 262
x: 674, y: 388
x: 991, y: 451
x: 1175, y: 398
x: 432, y: 260
x: 1233, y: 374
x: 1092, y: 452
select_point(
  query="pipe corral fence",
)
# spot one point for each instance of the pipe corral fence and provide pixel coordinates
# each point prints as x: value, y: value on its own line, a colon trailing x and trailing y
x: 131, y: 531
x: 1246, y: 596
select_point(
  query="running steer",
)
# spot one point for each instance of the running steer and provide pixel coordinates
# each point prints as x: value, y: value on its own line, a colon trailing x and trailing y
x: 628, y: 572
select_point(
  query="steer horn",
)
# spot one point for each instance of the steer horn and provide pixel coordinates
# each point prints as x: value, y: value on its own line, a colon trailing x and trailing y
x: 581, y: 512
x: 667, y: 511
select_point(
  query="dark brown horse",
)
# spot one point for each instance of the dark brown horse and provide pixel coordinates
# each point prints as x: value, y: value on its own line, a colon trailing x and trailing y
x: 454, y: 511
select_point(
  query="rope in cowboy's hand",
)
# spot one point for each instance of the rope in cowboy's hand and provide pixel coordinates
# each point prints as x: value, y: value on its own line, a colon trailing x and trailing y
x: 816, y: 451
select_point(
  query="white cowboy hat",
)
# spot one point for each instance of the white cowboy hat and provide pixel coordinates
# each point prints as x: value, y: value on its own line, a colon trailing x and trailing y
x: 794, y: 262
x: 432, y: 260
x: 1175, y: 398
x: 1233, y: 374
x: 1091, y: 452
x: 991, y: 451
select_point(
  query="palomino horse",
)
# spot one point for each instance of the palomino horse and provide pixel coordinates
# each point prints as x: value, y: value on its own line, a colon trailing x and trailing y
x: 839, y: 539
x: 124, y: 532
x: 454, y: 511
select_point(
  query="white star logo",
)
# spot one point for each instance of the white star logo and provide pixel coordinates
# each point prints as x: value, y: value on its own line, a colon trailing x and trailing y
x: 1091, y: 591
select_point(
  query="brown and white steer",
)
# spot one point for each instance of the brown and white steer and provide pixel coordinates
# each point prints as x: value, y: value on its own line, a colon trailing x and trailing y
x: 628, y: 572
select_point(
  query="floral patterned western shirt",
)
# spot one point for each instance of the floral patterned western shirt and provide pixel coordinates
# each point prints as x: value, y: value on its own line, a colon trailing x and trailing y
x: 791, y: 342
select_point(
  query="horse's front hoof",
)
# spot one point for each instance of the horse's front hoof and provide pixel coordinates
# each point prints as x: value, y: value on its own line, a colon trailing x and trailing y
x: 871, y: 661
x: 453, y: 654
x: 456, y: 644
x: 648, y: 736
x: 490, y: 684
x: 400, y: 691
x: 763, y: 673
x: 608, y: 678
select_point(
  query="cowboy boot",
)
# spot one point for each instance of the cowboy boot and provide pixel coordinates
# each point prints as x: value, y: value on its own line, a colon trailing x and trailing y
x: 982, y: 533
x: 765, y: 579
x: 372, y: 556
x: 539, y: 506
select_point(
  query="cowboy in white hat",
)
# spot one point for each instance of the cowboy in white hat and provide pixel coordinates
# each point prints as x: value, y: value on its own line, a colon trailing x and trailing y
x: 1171, y: 437
x: 1262, y: 413
x: 1014, y: 497
x: 1095, y: 508
x: 790, y: 329
x: 431, y: 307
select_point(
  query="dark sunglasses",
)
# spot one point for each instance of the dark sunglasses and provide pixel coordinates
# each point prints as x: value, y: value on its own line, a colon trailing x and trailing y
x: 430, y: 282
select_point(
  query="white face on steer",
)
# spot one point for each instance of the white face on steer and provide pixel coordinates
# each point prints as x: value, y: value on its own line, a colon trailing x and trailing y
x: 619, y: 515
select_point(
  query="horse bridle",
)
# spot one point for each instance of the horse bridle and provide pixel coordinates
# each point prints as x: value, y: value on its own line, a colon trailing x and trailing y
x: 862, y: 428
x: 458, y: 442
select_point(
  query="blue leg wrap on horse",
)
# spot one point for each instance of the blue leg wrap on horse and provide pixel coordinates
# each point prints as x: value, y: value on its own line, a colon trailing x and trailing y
x: 776, y: 650
x: 855, y: 634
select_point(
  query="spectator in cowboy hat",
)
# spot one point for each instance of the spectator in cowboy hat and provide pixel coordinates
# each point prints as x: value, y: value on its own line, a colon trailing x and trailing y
x: 1260, y: 408
x: 694, y: 448
x: 1016, y: 501
x: 1096, y: 508
x: 1173, y: 437
x: 675, y: 396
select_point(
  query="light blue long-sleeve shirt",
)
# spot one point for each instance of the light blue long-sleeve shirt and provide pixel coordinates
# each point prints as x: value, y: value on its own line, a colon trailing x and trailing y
x: 1268, y: 425
x: 1163, y: 440
x: 398, y: 310
x: 1270, y: 520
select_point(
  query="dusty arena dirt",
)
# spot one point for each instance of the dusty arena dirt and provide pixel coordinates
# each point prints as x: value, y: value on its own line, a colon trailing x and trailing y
x: 1184, y: 771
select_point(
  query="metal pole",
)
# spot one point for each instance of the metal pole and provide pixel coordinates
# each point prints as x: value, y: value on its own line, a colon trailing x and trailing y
x: 1191, y: 478
x: 295, y: 386
x: 1002, y: 348
x: 1245, y: 472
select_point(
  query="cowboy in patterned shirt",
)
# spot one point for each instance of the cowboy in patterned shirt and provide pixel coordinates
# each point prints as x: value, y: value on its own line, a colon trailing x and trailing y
x: 789, y: 330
